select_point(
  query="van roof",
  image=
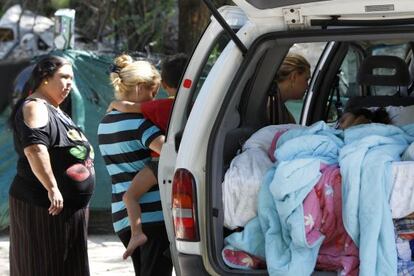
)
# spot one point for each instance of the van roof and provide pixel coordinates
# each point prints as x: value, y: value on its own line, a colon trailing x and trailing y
x: 271, y: 4
x: 303, y: 11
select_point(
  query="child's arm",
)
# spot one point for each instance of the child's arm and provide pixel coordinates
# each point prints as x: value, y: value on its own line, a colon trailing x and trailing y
x: 125, y: 106
x: 157, y: 143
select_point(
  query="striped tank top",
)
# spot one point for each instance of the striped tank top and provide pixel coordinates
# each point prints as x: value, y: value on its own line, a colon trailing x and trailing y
x: 124, y: 140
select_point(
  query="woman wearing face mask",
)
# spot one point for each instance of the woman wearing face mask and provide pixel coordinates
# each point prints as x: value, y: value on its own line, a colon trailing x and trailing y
x: 125, y: 142
x: 55, y: 179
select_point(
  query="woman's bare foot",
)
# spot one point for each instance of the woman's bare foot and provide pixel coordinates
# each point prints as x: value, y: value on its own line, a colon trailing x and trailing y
x: 134, y: 242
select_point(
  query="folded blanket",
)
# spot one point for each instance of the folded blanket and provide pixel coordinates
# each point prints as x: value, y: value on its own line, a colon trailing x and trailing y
x: 280, y: 210
x: 365, y: 163
x: 241, y: 185
x: 243, y: 178
x: 404, y: 252
x: 322, y: 208
x: 402, y: 194
x: 282, y: 232
x: 241, y: 260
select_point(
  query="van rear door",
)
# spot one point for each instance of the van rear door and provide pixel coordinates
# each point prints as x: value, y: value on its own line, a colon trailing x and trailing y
x: 200, y: 64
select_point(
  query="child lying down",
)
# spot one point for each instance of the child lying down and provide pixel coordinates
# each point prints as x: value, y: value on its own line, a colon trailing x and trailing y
x: 363, y: 116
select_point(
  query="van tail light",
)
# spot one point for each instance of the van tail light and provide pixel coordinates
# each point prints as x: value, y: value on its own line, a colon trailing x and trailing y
x: 184, y: 210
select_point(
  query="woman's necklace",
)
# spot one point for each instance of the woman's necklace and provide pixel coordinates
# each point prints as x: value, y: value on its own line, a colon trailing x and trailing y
x: 62, y: 115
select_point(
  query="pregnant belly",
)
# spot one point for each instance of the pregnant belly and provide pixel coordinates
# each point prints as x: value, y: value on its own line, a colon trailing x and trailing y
x: 78, y: 172
x: 77, y: 185
x: 80, y: 178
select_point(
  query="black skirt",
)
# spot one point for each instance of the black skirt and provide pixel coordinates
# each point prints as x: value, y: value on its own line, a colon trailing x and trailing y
x: 42, y: 244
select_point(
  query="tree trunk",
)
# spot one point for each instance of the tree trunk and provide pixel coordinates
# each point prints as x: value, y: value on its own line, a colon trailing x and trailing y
x: 193, y: 19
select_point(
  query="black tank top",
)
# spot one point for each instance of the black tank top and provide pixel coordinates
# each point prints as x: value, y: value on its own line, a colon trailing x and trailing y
x: 71, y: 158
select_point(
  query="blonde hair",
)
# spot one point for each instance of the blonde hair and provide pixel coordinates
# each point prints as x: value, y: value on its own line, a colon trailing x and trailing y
x: 130, y: 73
x: 291, y: 63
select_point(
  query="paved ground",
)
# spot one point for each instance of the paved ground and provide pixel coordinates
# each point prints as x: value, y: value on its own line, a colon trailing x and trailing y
x: 104, y: 248
x: 105, y: 256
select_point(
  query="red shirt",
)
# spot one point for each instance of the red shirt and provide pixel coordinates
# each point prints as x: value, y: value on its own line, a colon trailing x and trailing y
x: 158, y: 111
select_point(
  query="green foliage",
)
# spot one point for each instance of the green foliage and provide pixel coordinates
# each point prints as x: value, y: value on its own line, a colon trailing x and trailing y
x: 60, y: 4
x: 142, y: 23
x: 126, y: 25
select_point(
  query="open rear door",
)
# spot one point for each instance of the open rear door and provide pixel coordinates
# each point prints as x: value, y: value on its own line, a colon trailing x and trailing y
x: 211, y: 44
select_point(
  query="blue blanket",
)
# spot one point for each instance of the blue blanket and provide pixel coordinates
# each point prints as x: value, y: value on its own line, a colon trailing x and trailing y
x: 300, y: 153
x: 365, y: 162
x: 364, y: 154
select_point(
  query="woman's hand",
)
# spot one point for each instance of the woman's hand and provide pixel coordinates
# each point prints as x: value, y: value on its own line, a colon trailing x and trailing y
x: 56, y: 201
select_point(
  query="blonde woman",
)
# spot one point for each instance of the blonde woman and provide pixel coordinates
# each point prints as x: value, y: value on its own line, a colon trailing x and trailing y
x: 125, y: 142
x: 292, y: 81
x: 158, y: 112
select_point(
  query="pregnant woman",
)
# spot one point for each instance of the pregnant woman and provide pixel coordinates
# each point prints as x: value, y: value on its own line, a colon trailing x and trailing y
x: 55, y: 179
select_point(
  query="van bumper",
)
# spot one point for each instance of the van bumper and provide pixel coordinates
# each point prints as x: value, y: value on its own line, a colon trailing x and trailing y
x: 191, y: 265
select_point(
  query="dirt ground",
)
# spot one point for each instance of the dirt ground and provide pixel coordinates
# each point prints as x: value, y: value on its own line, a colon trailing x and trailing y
x: 105, y: 256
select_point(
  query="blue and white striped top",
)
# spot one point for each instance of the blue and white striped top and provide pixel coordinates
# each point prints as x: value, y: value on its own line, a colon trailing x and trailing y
x: 124, y: 140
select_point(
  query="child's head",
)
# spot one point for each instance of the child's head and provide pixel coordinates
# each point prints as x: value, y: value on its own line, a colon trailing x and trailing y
x: 172, y: 68
x: 363, y: 116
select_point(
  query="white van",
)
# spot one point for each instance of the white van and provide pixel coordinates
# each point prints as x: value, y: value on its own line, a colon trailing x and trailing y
x: 223, y: 99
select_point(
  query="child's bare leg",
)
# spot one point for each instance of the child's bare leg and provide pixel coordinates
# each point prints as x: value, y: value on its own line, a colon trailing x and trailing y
x: 141, y: 183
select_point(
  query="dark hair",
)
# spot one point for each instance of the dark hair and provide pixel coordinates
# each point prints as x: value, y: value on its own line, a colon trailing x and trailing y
x: 172, y: 68
x: 45, y: 68
x: 380, y: 115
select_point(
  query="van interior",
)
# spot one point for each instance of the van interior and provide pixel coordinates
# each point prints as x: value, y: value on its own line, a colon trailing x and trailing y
x: 350, y: 68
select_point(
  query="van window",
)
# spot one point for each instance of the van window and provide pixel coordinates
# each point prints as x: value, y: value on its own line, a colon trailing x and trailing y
x: 215, y: 51
x: 345, y: 85
x: 210, y: 59
x: 312, y: 52
x: 399, y: 50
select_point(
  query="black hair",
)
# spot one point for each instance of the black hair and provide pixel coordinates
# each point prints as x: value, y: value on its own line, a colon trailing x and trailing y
x: 45, y: 68
x: 380, y: 115
x: 172, y: 68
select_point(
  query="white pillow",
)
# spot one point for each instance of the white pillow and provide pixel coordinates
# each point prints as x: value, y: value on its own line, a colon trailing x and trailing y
x: 401, y: 115
x: 262, y: 138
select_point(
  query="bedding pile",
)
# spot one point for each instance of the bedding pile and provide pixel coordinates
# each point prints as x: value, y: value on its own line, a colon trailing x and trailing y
x: 327, y: 202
